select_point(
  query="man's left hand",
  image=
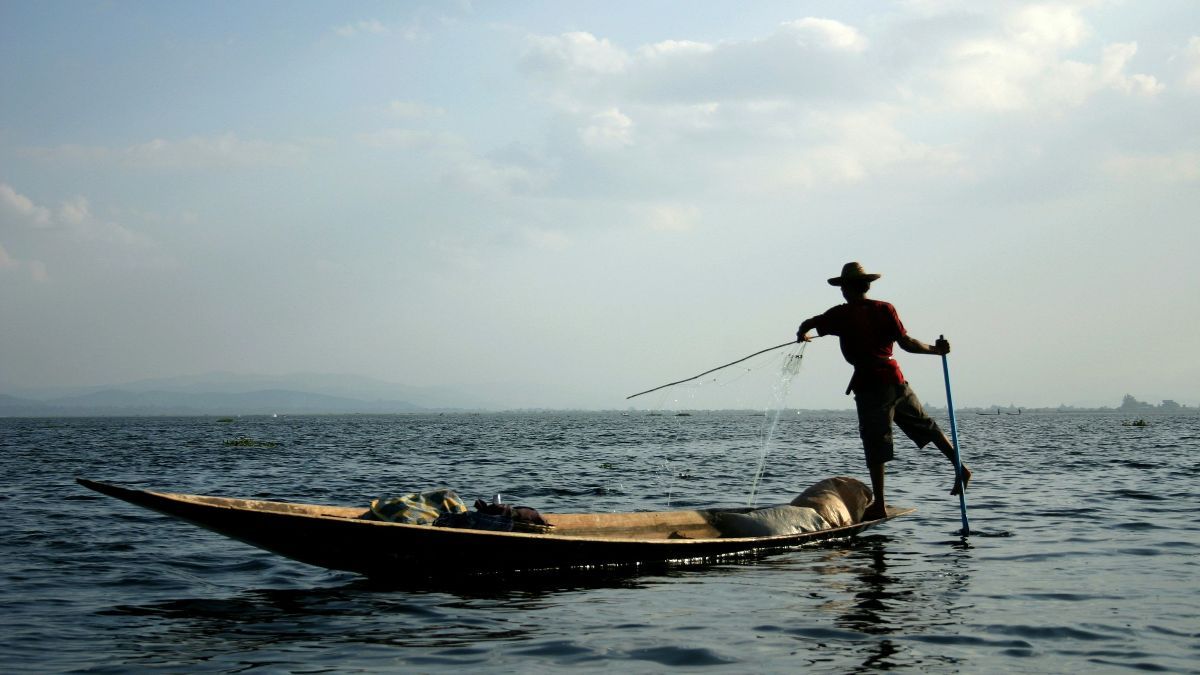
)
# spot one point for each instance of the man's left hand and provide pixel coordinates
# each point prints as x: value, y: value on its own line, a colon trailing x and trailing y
x: 941, y: 347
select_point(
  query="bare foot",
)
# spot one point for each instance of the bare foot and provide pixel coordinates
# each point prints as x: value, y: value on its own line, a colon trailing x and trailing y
x: 874, y: 512
x: 966, y: 474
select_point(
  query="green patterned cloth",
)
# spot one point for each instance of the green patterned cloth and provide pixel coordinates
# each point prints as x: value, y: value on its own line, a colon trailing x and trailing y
x: 417, y: 508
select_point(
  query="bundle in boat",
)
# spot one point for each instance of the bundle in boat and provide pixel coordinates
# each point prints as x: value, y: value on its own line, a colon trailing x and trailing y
x: 443, y: 507
x: 834, y: 502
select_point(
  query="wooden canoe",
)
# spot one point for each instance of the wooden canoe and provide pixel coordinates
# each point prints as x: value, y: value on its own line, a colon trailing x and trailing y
x: 338, y: 538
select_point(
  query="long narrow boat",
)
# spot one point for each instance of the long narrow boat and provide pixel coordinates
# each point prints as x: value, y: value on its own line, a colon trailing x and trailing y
x: 339, y: 538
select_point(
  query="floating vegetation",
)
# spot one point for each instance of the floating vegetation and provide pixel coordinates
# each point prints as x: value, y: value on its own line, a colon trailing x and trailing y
x: 244, y: 442
x: 1135, y: 423
x: 608, y: 465
x: 224, y: 420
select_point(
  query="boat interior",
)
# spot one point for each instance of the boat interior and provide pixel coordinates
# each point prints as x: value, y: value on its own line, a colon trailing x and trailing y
x: 649, y: 525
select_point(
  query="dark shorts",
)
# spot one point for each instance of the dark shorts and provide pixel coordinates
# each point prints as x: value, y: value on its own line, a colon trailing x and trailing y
x: 881, y: 405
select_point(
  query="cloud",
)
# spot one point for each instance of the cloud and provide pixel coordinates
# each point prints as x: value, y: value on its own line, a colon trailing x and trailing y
x: 669, y: 48
x: 1022, y: 66
x: 669, y: 218
x: 481, y: 176
x: 218, y: 152
x: 688, y: 99
x: 828, y: 34
x: 1111, y: 72
x: 819, y: 103
x: 1047, y: 27
x: 374, y: 28
x: 409, y: 139
x: 867, y: 143
x: 75, y: 217
x: 575, y: 53
x: 364, y: 27
x: 71, y: 230
x: 608, y: 130
x: 1180, y: 167
x: 414, y: 110
x: 1015, y: 61
x: 1191, y: 60
x: 36, y: 269
x: 22, y: 208
x: 801, y: 60
x: 452, y: 158
x: 457, y: 251
x: 552, y: 240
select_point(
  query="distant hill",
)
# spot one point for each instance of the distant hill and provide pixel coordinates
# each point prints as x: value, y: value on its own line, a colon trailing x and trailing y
x: 263, y: 402
x: 11, y: 406
x: 232, y: 394
x: 345, y: 386
x: 369, y: 394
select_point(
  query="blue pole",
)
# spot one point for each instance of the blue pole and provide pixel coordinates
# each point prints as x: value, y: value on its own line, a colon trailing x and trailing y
x: 962, y: 493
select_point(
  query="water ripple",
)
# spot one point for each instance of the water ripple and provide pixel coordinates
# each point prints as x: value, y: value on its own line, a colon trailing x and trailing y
x: 1101, y: 578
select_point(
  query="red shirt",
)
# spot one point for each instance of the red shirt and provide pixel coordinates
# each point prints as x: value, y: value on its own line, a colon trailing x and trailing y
x: 866, y: 330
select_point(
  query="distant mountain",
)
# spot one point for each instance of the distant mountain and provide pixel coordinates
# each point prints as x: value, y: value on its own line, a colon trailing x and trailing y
x: 11, y: 406
x: 224, y: 393
x: 295, y: 392
x: 264, y: 402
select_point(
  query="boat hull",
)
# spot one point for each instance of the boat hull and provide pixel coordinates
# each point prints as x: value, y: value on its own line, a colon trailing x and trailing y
x: 338, y: 538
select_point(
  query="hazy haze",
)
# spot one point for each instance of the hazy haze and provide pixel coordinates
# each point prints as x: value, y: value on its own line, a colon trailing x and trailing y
x: 572, y: 202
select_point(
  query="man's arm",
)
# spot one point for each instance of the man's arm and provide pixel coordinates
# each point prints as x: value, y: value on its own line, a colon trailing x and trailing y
x: 908, y: 344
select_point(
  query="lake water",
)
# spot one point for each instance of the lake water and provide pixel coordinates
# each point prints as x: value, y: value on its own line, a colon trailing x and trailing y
x: 1085, y: 556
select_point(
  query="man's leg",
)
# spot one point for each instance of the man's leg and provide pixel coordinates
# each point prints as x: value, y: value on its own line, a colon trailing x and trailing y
x: 911, y: 418
x: 878, y: 507
x: 947, y: 449
x: 875, y: 428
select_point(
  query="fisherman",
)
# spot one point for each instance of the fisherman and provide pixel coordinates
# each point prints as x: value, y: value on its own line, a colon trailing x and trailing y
x: 867, y: 330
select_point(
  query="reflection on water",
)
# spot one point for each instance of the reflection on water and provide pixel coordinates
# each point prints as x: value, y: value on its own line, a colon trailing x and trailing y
x: 445, y: 614
x: 870, y: 611
x: 885, y: 598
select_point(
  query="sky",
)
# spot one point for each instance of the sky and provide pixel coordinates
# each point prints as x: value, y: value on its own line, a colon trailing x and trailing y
x: 569, y: 202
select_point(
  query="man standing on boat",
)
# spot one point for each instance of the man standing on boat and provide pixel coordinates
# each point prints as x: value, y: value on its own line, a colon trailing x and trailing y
x: 867, y: 329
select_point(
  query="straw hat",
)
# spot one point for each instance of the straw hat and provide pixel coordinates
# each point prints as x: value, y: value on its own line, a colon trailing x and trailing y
x: 853, y: 271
